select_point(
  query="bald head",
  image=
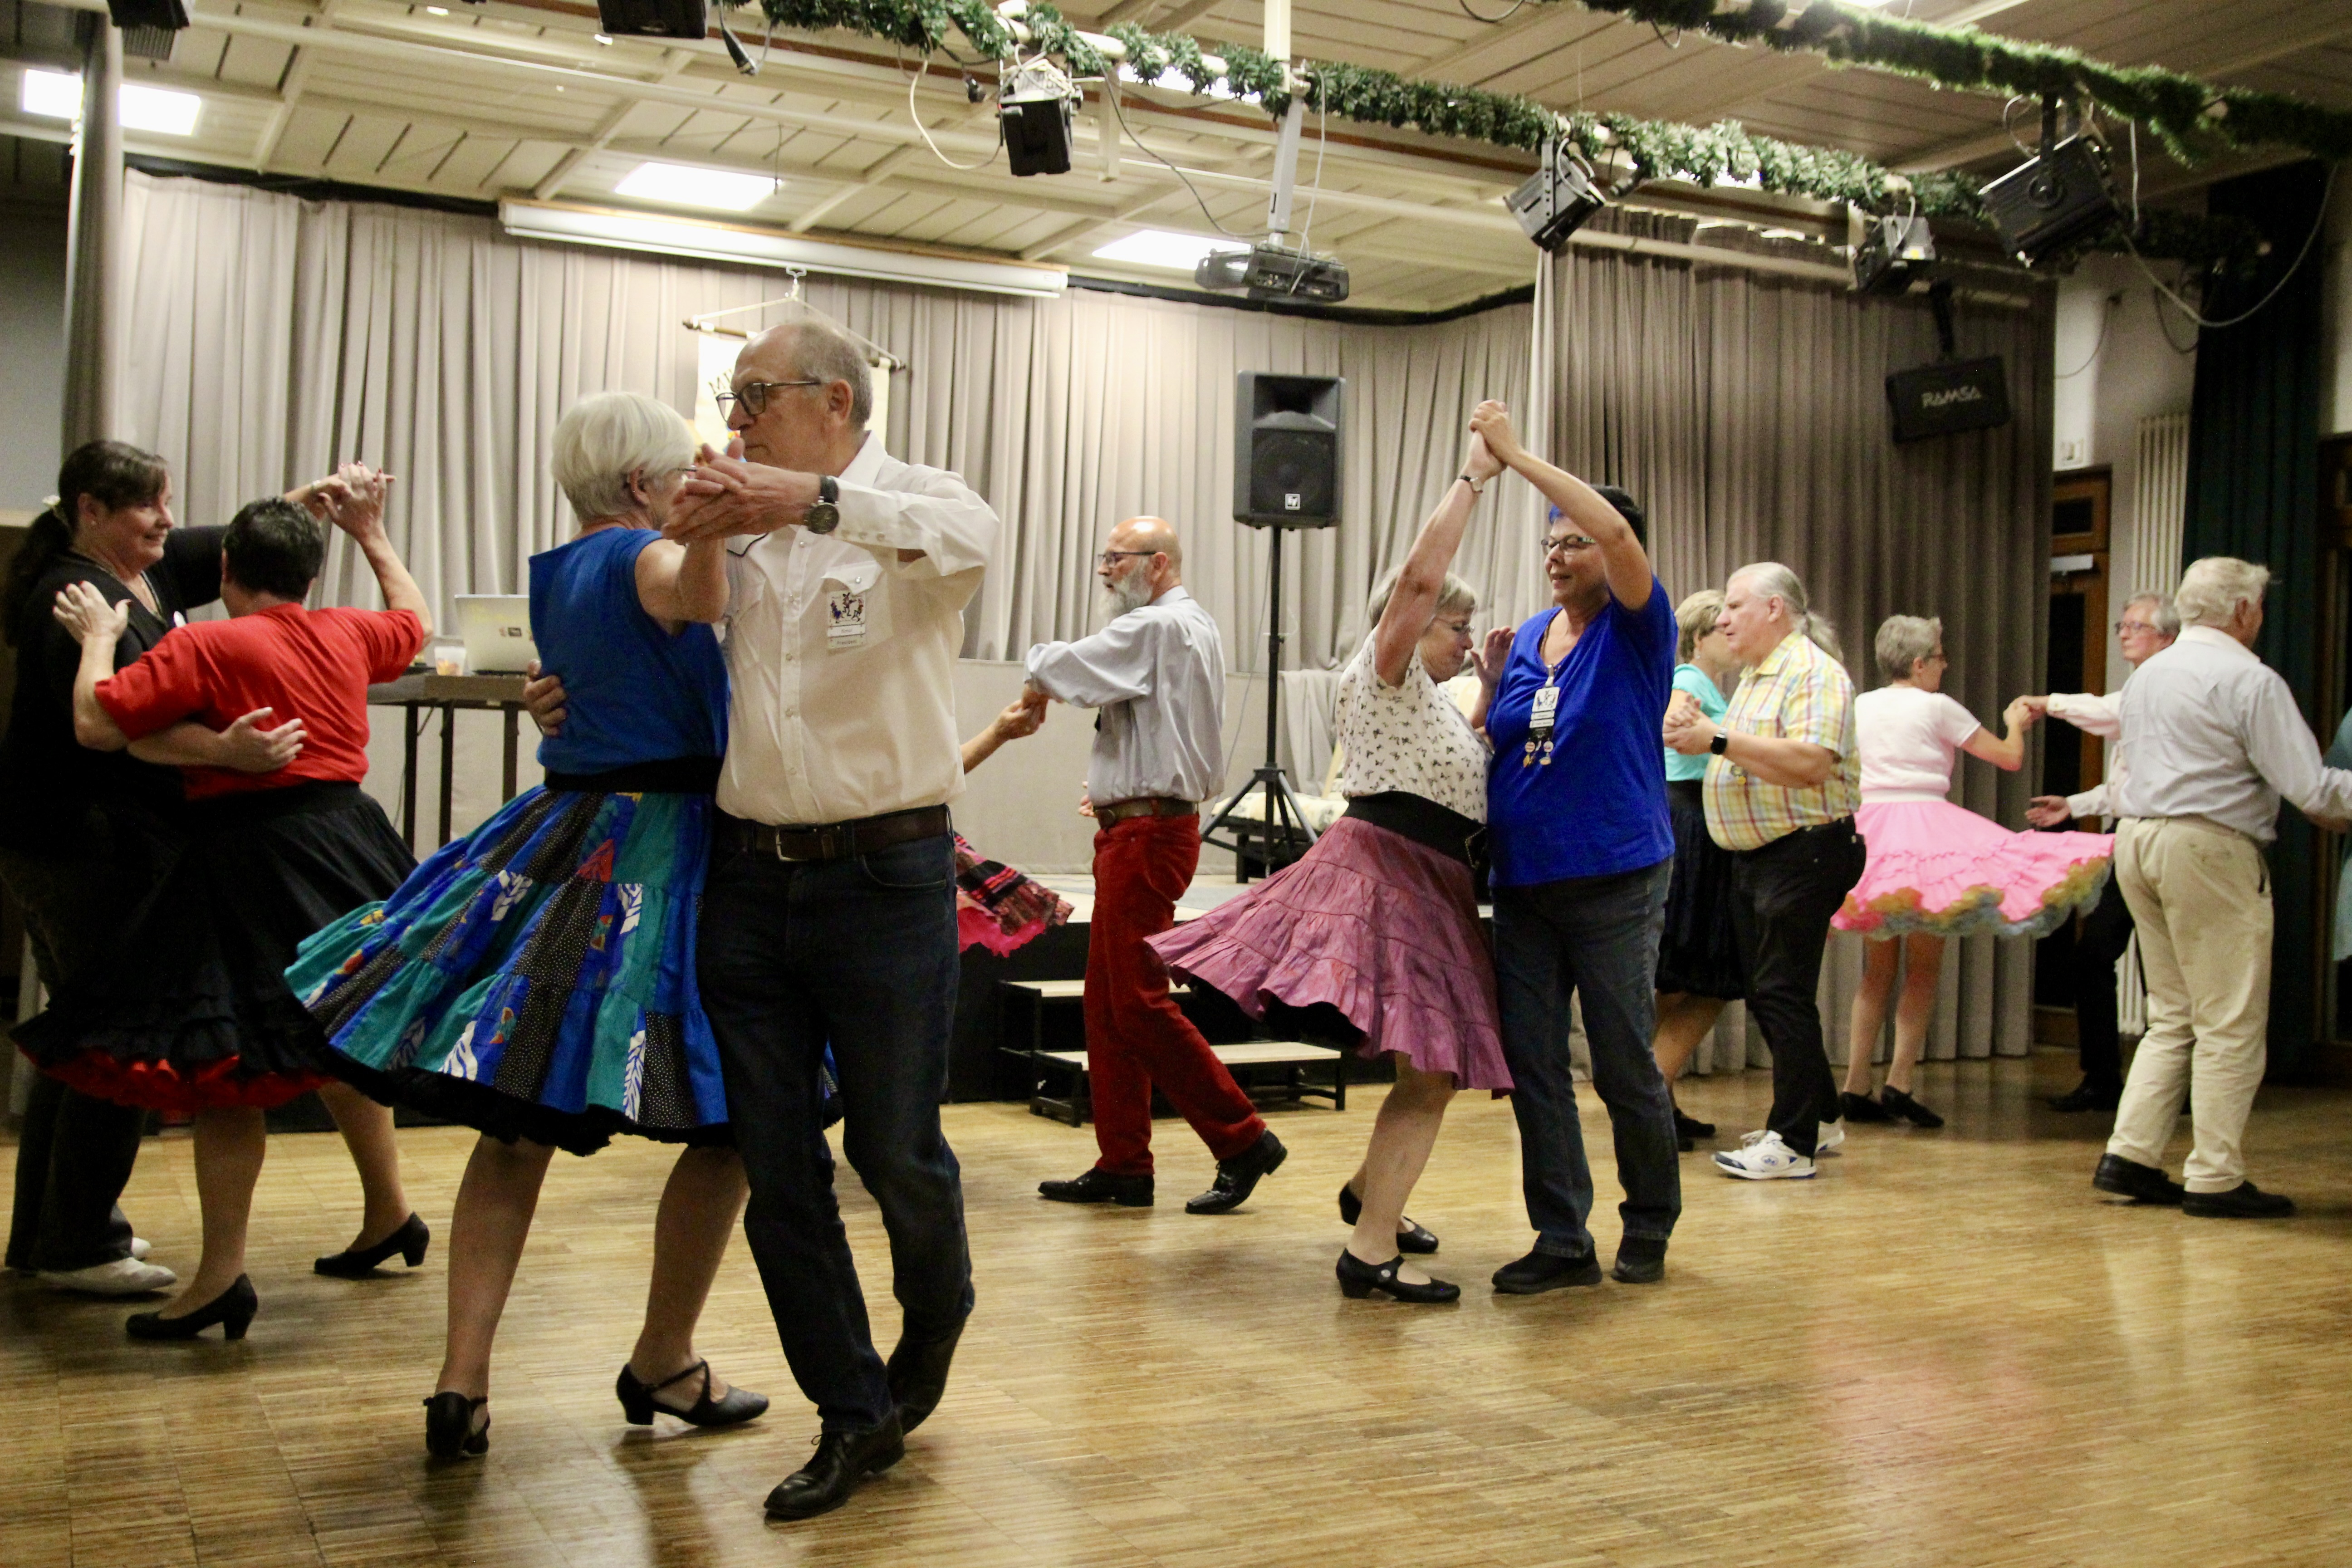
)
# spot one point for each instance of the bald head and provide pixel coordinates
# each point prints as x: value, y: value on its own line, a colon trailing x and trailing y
x: 1152, y: 535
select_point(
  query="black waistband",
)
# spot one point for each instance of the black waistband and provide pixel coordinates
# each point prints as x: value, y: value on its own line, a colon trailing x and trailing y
x: 1422, y: 820
x: 1691, y: 792
x: 1798, y: 839
x: 665, y: 775
x: 289, y: 800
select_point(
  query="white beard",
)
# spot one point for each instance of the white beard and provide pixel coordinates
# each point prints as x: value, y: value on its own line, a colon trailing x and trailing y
x: 1131, y: 592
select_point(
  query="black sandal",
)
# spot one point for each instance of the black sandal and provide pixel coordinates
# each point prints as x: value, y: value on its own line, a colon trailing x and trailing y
x: 637, y: 1401
x: 1359, y: 1279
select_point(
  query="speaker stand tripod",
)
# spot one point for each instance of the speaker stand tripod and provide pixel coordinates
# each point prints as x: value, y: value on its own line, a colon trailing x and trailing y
x: 1285, y: 826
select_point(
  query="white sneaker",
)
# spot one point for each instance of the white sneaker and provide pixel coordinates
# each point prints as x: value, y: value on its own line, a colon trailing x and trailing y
x: 139, y: 1249
x: 123, y: 1277
x: 1763, y: 1157
x: 1827, y: 1139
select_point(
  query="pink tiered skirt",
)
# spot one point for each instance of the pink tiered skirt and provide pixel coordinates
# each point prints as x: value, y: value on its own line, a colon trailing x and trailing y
x: 1939, y: 869
x: 1383, y: 928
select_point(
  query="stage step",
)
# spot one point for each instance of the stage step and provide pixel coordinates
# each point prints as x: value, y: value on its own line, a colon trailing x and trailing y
x: 1074, y: 990
x: 1248, y: 1054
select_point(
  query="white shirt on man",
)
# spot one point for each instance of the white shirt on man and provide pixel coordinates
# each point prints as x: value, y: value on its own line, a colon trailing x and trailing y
x: 1907, y: 738
x: 2104, y: 717
x: 841, y: 656
x: 1156, y: 674
x: 2215, y: 733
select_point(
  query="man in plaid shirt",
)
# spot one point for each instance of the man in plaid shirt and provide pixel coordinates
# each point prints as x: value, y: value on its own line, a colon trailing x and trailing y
x: 1781, y: 796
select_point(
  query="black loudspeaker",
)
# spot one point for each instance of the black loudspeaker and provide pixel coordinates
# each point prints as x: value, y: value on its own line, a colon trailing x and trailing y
x: 653, y: 19
x: 1948, y: 397
x: 2060, y: 197
x: 168, y: 16
x: 1287, y: 450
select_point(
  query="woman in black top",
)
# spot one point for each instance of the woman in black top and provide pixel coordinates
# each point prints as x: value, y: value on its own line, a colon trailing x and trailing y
x: 87, y: 837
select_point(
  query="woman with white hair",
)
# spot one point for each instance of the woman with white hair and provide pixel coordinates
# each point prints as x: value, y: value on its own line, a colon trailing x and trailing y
x: 1936, y: 869
x: 1379, y: 919
x: 536, y: 980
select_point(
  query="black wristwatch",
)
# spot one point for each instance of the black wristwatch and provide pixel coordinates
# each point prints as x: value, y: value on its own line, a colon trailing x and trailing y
x: 1721, y: 743
x: 824, y: 514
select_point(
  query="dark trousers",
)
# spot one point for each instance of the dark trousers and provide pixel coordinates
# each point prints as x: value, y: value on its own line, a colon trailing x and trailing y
x: 860, y: 952
x: 2106, y: 932
x: 1137, y: 1038
x: 1782, y: 898
x: 71, y: 1162
x: 1593, y: 940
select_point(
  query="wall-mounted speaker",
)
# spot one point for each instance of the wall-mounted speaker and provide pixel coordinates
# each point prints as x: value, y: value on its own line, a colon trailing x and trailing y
x: 1287, y: 450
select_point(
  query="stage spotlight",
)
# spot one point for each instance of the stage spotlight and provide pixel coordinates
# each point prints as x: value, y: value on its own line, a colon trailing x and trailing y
x: 1270, y: 272
x: 1034, y: 111
x: 1554, y: 201
x: 1889, y: 252
x: 2057, y: 197
x: 658, y: 19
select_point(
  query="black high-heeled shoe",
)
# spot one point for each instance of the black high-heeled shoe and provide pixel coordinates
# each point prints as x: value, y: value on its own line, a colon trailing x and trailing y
x: 1359, y: 1279
x: 233, y: 1309
x: 451, y: 1431
x: 1411, y: 1238
x: 638, y: 1404
x: 358, y: 1262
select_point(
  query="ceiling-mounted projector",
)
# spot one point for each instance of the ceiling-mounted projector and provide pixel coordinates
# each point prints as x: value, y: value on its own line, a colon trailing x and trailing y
x: 653, y: 19
x: 1554, y: 201
x: 1271, y: 271
x: 1889, y: 252
x: 1034, y: 111
x: 2057, y: 197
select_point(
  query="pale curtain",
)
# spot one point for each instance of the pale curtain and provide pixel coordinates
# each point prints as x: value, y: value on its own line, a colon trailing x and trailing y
x: 1747, y: 411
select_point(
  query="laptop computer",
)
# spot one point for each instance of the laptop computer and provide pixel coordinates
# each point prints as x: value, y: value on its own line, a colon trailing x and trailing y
x: 496, y: 632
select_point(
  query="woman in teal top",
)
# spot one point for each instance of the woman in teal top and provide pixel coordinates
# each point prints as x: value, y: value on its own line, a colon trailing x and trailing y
x: 1698, y: 960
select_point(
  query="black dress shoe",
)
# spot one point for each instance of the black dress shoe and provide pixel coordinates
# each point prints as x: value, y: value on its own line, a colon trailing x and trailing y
x: 638, y: 1404
x: 1411, y: 1238
x: 233, y: 1309
x: 2244, y: 1201
x: 456, y: 1428
x: 2141, y: 1183
x: 1239, y: 1176
x: 1688, y: 1131
x: 1901, y: 1106
x: 2089, y: 1096
x: 358, y: 1262
x: 842, y: 1460
x: 1100, y: 1186
x: 1641, y: 1261
x: 1359, y: 1279
x: 917, y: 1374
x: 1541, y: 1271
x: 1861, y: 1108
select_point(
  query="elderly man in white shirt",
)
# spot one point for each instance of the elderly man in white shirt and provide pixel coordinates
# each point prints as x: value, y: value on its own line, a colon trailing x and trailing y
x: 2148, y: 625
x: 829, y: 913
x: 2216, y: 743
x: 1156, y: 675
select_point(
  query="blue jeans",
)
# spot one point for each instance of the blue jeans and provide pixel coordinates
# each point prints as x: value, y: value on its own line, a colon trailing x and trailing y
x: 1594, y: 939
x: 860, y: 952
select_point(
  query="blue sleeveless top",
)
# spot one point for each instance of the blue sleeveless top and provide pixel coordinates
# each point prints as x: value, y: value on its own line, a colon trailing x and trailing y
x: 633, y: 693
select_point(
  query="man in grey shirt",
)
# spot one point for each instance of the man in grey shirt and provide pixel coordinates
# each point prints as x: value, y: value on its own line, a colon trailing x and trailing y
x: 2216, y: 741
x: 1156, y: 676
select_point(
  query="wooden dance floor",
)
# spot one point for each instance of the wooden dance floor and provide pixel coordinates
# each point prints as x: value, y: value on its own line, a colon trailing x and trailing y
x: 1945, y: 1351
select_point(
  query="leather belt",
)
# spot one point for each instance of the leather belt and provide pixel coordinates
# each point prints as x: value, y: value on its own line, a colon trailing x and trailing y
x: 834, y: 840
x: 1145, y: 805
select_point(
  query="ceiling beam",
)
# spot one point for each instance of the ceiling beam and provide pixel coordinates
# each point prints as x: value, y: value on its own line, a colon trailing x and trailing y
x: 552, y: 184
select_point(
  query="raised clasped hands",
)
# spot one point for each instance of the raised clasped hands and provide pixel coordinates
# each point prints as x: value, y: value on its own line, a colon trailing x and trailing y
x: 1480, y: 462
x: 83, y: 611
x: 351, y: 499
x: 727, y: 497
x: 1491, y: 423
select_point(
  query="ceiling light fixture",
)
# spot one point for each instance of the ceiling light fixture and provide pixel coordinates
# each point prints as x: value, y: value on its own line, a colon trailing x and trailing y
x: 52, y: 95
x: 56, y: 95
x: 685, y: 185
x: 1162, y: 248
x: 436, y: 10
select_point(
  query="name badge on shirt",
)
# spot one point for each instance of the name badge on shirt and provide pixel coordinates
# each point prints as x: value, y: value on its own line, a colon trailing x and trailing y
x: 844, y: 618
x: 1540, y: 721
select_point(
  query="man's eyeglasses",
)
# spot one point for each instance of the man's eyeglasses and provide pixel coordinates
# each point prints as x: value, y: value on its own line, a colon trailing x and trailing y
x: 754, y: 395
x: 1110, y: 558
x: 1567, y: 544
x: 2124, y: 626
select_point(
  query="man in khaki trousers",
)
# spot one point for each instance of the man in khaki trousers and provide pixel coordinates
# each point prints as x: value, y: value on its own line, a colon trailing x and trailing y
x: 2216, y: 743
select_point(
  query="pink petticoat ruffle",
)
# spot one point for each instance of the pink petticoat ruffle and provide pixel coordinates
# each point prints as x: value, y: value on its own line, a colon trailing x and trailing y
x: 1383, y: 928
x: 1939, y: 869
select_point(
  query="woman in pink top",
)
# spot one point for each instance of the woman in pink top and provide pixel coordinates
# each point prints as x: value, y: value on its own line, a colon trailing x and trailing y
x: 1936, y: 869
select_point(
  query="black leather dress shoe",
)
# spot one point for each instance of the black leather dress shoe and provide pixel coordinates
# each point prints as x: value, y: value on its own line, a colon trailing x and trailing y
x: 1541, y: 1271
x: 2089, y: 1096
x: 2244, y: 1201
x: 1239, y: 1176
x: 1359, y: 1279
x: 1862, y: 1108
x: 1100, y: 1186
x: 917, y: 1372
x: 1689, y: 1130
x: 842, y: 1460
x: 2141, y: 1183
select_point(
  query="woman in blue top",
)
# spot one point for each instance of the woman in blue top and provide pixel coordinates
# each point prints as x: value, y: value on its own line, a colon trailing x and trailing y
x: 1576, y: 815
x: 1698, y: 955
x: 536, y: 980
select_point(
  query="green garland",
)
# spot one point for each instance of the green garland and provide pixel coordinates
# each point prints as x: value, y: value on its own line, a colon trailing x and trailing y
x: 1656, y: 150
x: 2190, y: 118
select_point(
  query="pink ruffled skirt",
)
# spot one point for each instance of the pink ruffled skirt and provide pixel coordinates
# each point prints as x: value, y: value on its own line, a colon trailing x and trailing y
x: 1939, y: 869
x: 1380, y: 928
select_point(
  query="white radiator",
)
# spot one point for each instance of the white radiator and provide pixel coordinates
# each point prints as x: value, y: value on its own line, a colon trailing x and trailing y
x: 2160, y: 501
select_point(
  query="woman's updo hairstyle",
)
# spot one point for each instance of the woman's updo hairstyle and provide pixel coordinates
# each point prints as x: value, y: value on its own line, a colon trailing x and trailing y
x: 113, y: 473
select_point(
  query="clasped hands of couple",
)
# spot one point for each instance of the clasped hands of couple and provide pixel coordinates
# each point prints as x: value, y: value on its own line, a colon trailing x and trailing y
x: 726, y: 495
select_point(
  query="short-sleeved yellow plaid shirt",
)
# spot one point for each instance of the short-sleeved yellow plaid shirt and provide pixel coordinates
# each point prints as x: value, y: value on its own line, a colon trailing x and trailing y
x: 1797, y: 693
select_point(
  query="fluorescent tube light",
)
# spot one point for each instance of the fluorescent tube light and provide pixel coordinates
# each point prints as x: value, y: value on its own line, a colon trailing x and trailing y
x: 56, y: 95
x: 684, y: 185
x: 716, y: 241
x: 52, y: 95
x: 1162, y: 248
